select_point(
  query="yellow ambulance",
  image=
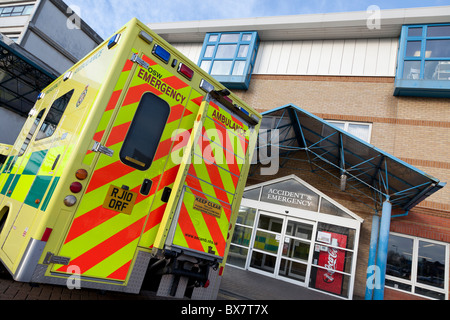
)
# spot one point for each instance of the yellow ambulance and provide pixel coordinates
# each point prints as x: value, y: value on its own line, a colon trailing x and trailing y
x: 132, y: 162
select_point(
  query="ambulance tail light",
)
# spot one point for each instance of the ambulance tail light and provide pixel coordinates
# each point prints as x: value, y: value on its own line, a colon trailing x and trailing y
x: 76, y: 187
x: 81, y: 174
x: 46, y: 234
x: 185, y: 71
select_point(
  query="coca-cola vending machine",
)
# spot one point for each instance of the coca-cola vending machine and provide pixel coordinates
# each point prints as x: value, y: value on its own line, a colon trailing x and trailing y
x: 332, y: 259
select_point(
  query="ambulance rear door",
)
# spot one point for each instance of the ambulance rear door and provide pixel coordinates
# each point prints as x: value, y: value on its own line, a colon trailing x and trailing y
x: 202, y: 221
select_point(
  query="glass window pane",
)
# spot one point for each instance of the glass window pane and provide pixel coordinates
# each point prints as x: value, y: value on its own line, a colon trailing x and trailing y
x: 209, y: 51
x: 263, y: 261
x: 398, y: 285
x: 266, y: 241
x: 415, y: 32
x: 399, y: 259
x: 299, y: 230
x: 437, y: 70
x: 18, y: 9
x: 243, y: 50
x: 229, y: 37
x: 239, y: 68
x: 237, y: 256
x: 247, y: 37
x: 438, y: 31
x: 145, y: 131
x: 296, y: 249
x: 205, y: 65
x: 438, y: 49
x: 328, y: 208
x: 431, y: 264
x: 413, y: 48
x: 7, y: 10
x: 242, y: 236
x: 213, y: 38
x: 31, y: 132
x: 340, y: 125
x: 359, y: 130
x: 226, y: 51
x: 246, y: 216
x: 270, y: 223
x: 292, y: 270
x: 252, y: 194
x: 411, y: 70
x: 430, y: 293
x: 221, y: 67
x: 28, y: 10
x: 54, y: 115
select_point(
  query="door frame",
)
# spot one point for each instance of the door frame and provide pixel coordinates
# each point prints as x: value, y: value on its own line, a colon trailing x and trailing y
x: 279, y: 255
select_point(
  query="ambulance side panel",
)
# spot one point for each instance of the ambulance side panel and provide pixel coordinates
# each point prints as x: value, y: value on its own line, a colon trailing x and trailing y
x: 37, y: 167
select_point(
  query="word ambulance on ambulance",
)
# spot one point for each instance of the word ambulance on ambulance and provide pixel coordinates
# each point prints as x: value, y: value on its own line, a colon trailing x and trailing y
x: 131, y: 163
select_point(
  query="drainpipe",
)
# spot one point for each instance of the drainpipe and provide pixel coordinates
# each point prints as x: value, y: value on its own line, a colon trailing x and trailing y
x: 372, y: 256
x: 383, y: 242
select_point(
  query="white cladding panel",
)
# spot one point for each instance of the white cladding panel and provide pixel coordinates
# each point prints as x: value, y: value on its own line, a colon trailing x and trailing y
x: 353, y: 57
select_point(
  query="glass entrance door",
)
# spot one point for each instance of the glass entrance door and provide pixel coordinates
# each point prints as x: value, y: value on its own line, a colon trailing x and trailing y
x: 281, y: 247
x: 266, y: 243
x: 295, y: 253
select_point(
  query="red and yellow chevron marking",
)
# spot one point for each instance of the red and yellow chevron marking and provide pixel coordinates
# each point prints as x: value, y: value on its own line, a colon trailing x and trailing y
x: 101, y: 242
x: 112, y: 103
x: 213, y: 176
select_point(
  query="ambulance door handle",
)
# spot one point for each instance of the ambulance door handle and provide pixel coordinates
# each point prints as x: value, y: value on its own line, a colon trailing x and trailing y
x: 146, y: 186
x: 56, y: 162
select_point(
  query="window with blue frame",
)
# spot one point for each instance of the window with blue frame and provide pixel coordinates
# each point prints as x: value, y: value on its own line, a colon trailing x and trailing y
x: 424, y: 61
x: 230, y: 57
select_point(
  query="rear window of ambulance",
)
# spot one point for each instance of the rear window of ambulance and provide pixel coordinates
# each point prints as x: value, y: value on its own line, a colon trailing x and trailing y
x: 145, y: 132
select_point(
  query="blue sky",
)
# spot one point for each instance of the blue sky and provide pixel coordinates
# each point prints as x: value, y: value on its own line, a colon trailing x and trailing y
x: 105, y: 17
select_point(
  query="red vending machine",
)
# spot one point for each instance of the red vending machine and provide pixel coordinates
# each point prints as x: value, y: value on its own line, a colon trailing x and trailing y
x: 332, y: 259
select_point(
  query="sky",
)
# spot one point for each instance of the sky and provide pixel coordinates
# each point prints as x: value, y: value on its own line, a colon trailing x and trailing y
x: 107, y: 16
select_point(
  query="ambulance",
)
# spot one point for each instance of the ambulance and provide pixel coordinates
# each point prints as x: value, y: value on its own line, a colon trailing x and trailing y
x: 131, y: 166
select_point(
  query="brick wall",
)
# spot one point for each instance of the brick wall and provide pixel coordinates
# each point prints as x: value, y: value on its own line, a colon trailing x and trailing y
x: 416, y: 130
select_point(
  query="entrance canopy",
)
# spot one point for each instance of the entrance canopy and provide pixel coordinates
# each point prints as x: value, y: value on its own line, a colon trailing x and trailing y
x: 22, y: 77
x: 294, y: 135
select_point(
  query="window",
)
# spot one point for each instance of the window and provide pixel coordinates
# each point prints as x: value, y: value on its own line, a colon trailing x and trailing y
x: 31, y: 132
x: 424, y: 61
x: 54, y: 115
x: 142, y: 140
x: 16, y: 11
x: 417, y: 265
x: 241, y: 237
x: 230, y: 57
x: 359, y: 130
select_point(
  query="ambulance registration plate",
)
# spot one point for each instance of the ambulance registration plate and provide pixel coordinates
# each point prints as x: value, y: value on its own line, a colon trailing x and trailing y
x: 120, y: 200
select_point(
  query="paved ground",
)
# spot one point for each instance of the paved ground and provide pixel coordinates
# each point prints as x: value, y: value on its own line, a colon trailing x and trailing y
x: 236, y: 284
x: 242, y: 284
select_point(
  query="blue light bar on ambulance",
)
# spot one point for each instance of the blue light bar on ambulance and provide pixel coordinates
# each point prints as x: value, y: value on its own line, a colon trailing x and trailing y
x: 161, y: 53
x: 114, y: 40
